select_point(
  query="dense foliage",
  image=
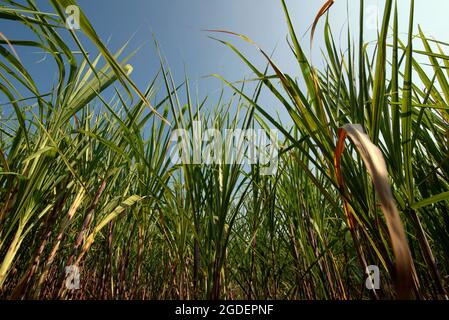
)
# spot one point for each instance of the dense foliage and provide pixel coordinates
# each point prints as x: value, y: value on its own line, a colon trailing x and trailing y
x: 86, y: 180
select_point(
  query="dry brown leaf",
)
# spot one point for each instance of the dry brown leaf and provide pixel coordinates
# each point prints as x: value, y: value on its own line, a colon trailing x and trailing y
x: 322, y: 11
x: 375, y: 163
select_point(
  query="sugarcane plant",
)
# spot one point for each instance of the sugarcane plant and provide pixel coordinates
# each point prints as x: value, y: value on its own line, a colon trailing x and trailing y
x: 93, y: 204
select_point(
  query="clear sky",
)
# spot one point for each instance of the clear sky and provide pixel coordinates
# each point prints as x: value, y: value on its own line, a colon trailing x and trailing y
x: 178, y: 26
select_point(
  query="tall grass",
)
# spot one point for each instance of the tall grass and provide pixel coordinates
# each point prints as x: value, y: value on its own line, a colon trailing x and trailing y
x: 86, y: 179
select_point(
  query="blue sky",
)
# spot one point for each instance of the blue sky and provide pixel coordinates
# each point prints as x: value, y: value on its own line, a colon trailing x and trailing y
x: 179, y: 25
